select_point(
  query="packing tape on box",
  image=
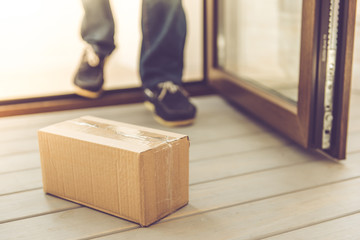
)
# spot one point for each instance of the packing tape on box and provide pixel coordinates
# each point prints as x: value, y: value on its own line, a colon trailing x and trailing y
x: 121, y: 133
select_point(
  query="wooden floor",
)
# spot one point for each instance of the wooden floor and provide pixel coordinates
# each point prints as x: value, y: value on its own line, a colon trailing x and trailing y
x: 246, y: 182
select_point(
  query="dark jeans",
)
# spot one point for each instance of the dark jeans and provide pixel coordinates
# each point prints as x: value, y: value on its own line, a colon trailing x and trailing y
x: 164, y: 32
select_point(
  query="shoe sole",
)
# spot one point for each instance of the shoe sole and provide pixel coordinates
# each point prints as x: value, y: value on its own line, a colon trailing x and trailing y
x: 166, y: 123
x: 86, y: 93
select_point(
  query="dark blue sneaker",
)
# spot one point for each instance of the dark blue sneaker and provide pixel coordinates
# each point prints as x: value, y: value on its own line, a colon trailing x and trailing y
x: 89, y: 78
x: 170, y: 105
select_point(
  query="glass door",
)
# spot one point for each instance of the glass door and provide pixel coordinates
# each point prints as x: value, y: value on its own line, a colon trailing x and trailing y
x: 287, y: 62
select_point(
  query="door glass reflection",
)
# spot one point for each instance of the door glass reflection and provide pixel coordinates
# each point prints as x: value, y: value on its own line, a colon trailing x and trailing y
x: 259, y: 41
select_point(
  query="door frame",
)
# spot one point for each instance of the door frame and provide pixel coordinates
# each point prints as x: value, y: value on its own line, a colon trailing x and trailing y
x: 296, y: 121
x: 344, y: 75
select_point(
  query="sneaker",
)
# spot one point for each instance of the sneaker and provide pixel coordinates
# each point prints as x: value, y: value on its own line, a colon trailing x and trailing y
x: 89, y: 79
x: 170, y: 105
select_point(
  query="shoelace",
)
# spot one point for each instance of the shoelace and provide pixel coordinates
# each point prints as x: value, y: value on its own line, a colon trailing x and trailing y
x: 167, y: 87
x: 91, y: 57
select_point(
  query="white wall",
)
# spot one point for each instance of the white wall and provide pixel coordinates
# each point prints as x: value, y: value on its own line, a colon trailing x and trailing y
x: 41, y: 45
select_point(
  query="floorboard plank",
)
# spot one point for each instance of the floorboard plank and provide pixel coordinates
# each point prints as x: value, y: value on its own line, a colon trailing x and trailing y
x: 248, y: 162
x: 17, y: 158
x: 19, y: 154
x: 236, y: 166
x: 73, y: 224
x: 223, y: 147
x: 202, y: 130
x: 230, y: 126
x: 19, y: 146
x: 30, y: 179
x: 346, y: 227
x: 30, y: 203
x: 221, y: 193
x: 232, y: 191
x: 20, y: 162
x: 20, y: 181
x: 259, y: 219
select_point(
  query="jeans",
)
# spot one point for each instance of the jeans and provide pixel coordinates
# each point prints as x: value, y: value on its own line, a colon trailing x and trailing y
x: 164, y: 31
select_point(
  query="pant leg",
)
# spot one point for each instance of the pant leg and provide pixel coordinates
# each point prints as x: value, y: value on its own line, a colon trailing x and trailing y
x: 97, y: 27
x: 164, y: 33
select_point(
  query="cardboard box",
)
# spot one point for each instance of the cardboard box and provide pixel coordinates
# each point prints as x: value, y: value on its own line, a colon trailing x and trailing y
x: 133, y: 172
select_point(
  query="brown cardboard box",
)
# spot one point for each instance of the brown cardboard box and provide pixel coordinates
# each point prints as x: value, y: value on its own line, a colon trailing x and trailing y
x: 133, y: 172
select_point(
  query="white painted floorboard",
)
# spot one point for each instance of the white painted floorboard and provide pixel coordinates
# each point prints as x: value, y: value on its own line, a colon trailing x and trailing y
x: 246, y: 182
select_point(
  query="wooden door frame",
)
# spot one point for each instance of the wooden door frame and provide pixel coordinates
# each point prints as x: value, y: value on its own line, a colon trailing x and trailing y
x: 344, y: 75
x: 259, y: 102
x: 297, y: 121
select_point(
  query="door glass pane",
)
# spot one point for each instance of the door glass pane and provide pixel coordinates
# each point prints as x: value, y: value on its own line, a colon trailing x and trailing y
x: 259, y: 41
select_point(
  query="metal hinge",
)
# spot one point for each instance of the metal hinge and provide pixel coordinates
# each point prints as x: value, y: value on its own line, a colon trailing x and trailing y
x: 330, y: 73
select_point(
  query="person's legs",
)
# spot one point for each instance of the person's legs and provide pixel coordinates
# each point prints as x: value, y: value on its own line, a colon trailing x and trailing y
x: 161, y: 62
x: 97, y: 30
x: 97, y: 27
x: 164, y: 33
